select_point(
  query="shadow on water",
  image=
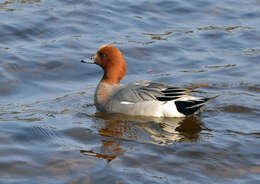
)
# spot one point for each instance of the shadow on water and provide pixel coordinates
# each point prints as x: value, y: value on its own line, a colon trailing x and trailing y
x: 149, y: 130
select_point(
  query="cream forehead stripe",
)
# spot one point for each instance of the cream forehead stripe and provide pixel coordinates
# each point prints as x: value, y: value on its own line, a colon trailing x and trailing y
x: 106, y: 45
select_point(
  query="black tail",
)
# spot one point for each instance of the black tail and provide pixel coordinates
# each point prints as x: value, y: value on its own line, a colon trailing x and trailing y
x: 189, y: 107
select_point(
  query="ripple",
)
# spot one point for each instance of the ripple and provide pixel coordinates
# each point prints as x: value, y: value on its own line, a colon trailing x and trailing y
x: 223, y: 28
x: 223, y: 66
x: 158, y: 36
x: 252, y: 52
x: 238, y: 109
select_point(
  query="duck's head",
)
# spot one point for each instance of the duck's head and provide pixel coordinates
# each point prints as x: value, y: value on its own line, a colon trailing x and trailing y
x: 112, y: 61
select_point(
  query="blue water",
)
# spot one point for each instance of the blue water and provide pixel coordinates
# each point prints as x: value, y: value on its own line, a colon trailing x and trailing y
x: 50, y: 131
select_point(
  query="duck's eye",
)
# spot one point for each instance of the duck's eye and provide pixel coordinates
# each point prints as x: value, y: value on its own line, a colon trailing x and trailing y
x: 102, y: 54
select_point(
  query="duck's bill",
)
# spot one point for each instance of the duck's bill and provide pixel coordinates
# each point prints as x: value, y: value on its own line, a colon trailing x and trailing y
x: 89, y: 61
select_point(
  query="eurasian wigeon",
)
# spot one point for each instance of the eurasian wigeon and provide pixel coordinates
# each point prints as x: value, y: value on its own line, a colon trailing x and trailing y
x: 142, y: 98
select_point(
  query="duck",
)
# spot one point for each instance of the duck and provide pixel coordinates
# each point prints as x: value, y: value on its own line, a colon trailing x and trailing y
x: 140, y: 98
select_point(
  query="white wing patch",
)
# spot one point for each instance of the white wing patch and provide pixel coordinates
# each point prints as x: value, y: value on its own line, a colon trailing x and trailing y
x: 126, y: 103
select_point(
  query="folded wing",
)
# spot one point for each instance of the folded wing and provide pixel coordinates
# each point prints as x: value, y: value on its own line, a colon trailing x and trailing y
x: 148, y: 91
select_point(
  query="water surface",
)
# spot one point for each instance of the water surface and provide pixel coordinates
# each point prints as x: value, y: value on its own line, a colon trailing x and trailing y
x: 50, y: 131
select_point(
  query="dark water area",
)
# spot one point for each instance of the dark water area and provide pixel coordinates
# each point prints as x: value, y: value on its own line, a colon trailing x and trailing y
x: 50, y: 131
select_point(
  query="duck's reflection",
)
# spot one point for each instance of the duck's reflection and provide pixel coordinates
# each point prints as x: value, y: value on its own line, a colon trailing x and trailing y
x: 157, y: 130
x: 110, y: 150
x: 142, y: 129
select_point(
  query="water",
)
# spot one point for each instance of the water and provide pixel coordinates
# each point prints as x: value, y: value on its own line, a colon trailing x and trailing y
x: 50, y: 131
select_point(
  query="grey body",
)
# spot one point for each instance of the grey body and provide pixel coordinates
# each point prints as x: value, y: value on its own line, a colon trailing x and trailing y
x: 143, y: 98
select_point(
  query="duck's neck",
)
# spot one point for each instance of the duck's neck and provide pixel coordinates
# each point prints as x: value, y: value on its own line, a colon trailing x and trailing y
x: 103, y: 94
x: 110, y: 79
